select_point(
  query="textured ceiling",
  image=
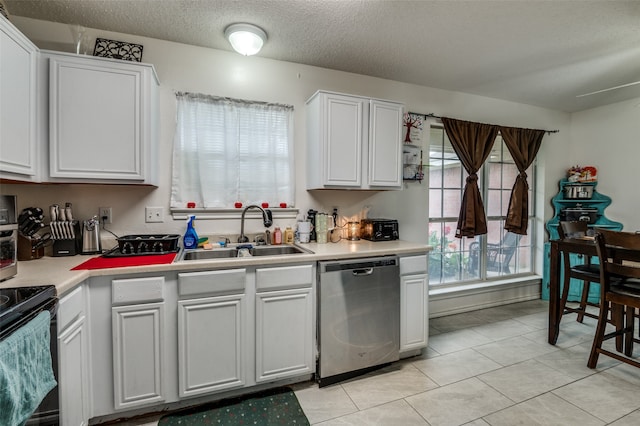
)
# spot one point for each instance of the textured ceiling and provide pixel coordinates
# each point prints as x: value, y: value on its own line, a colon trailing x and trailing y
x: 535, y: 52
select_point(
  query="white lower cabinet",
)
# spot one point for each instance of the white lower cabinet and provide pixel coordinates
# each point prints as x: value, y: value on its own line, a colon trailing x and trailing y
x: 285, y: 322
x: 284, y: 334
x: 158, y: 340
x: 73, y: 356
x: 138, y: 342
x: 211, y: 331
x: 414, y: 297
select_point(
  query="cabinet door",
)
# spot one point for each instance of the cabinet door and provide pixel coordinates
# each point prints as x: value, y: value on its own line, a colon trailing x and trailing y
x: 343, y: 140
x: 18, y: 56
x: 99, y: 119
x: 413, y: 312
x: 284, y: 334
x: 73, y: 380
x: 210, y: 350
x: 385, y: 145
x: 138, y: 354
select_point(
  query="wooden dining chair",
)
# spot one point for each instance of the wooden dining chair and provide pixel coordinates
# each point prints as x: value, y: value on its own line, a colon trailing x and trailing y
x: 618, y: 253
x: 586, y: 272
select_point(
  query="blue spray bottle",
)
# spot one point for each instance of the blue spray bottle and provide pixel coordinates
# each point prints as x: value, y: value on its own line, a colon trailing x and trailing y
x: 190, y: 239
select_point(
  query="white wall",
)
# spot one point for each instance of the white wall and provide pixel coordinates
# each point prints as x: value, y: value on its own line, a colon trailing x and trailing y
x: 609, y: 138
x: 189, y: 68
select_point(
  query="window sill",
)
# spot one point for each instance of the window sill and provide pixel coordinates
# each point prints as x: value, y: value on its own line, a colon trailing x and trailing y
x: 482, y: 286
x: 221, y: 214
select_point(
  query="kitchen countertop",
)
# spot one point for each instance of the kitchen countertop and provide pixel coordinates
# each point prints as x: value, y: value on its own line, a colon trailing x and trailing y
x: 57, y: 270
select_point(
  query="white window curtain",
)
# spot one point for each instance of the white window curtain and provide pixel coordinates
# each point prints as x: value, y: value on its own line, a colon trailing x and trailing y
x: 229, y: 150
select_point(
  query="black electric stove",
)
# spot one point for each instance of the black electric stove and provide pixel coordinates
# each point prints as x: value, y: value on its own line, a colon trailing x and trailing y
x: 18, y: 305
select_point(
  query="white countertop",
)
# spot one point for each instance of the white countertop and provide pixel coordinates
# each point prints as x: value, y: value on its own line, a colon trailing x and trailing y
x: 57, y: 270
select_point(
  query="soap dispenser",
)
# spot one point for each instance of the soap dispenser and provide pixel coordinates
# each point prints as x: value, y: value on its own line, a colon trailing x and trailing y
x: 190, y: 239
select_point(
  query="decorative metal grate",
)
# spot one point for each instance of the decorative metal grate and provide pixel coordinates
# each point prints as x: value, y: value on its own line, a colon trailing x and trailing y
x: 118, y: 50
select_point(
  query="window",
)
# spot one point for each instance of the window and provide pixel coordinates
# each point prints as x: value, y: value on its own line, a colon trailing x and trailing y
x: 228, y: 150
x: 495, y: 255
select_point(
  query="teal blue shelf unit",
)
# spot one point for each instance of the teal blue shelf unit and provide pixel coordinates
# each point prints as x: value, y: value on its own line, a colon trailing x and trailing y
x: 598, y: 201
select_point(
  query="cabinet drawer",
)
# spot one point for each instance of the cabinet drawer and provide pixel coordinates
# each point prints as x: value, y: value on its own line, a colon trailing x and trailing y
x: 211, y: 282
x: 413, y: 265
x: 284, y: 277
x: 72, y: 306
x: 137, y: 290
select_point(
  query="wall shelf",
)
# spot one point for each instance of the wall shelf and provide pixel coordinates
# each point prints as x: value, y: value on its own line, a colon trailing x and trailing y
x: 412, y: 167
x: 598, y: 201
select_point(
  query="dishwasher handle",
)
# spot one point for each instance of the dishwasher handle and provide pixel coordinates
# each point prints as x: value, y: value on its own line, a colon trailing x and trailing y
x: 362, y: 272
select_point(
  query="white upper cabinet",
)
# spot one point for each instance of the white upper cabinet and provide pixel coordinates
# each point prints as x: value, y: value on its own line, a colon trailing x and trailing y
x: 18, y: 59
x: 353, y: 142
x: 102, y: 120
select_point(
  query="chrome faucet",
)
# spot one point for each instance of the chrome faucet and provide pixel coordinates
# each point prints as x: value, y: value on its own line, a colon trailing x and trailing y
x: 266, y: 218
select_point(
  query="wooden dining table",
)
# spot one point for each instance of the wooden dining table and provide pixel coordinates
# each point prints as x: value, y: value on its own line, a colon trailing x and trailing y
x: 582, y: 245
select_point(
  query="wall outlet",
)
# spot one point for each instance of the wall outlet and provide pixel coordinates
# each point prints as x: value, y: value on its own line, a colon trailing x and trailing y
x: 105, y: 215
x: 154, y: 214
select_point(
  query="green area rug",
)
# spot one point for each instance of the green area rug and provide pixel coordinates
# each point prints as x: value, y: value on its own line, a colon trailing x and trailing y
x: 273, y: 407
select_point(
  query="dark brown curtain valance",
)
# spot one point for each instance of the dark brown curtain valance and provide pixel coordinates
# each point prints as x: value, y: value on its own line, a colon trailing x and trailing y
x: 523, y: 144
x: 472, y: 142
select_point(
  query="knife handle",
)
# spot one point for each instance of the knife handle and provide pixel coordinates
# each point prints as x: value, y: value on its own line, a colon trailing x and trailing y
x: 68, y: 211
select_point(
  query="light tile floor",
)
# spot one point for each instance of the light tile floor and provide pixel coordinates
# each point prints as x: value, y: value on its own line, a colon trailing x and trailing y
x: 487, y: 367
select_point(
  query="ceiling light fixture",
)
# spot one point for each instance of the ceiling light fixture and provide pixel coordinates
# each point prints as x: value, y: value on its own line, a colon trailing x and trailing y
x: 246, y: 39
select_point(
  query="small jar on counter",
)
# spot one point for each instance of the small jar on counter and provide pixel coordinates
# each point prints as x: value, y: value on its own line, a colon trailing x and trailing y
x: 277, y: 236
x: 288, y: 235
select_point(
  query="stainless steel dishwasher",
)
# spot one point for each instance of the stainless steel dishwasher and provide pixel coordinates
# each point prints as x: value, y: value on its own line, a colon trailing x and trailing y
x: 358, y: 316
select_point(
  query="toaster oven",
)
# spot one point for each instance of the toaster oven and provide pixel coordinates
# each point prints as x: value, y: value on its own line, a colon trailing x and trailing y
x: 379, y: 229
x: 8, y: 237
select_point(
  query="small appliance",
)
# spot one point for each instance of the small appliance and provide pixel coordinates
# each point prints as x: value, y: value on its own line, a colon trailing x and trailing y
x: 579, y: 213
x: 8, y: 237
x: 91, y: 236
x: 379, y: 229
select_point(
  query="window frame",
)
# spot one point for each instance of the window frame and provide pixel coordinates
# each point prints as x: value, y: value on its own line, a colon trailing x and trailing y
x: 227, y: 209
x: 462, y: 254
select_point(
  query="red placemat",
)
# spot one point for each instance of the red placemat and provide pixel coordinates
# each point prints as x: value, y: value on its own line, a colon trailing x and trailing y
x: 119, y: 262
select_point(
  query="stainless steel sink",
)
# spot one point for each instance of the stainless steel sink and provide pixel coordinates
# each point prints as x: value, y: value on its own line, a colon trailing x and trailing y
x: 276, y: 250
x: 209, y: 254
x: 226, y: 253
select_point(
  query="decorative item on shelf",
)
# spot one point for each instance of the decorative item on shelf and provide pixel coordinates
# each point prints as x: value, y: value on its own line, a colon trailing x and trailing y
x: 413, y: 124
x: 3, y: 9
x: 80, y: 38
x: 412, y: 163
x: 582, y: 174
x: 118, y: 50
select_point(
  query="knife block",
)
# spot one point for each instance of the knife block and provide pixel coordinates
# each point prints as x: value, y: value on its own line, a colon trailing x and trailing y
x: 68, y: 246
x: 27, y: 248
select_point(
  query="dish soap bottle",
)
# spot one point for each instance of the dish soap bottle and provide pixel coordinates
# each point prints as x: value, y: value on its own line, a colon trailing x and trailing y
x: 190, y: 239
